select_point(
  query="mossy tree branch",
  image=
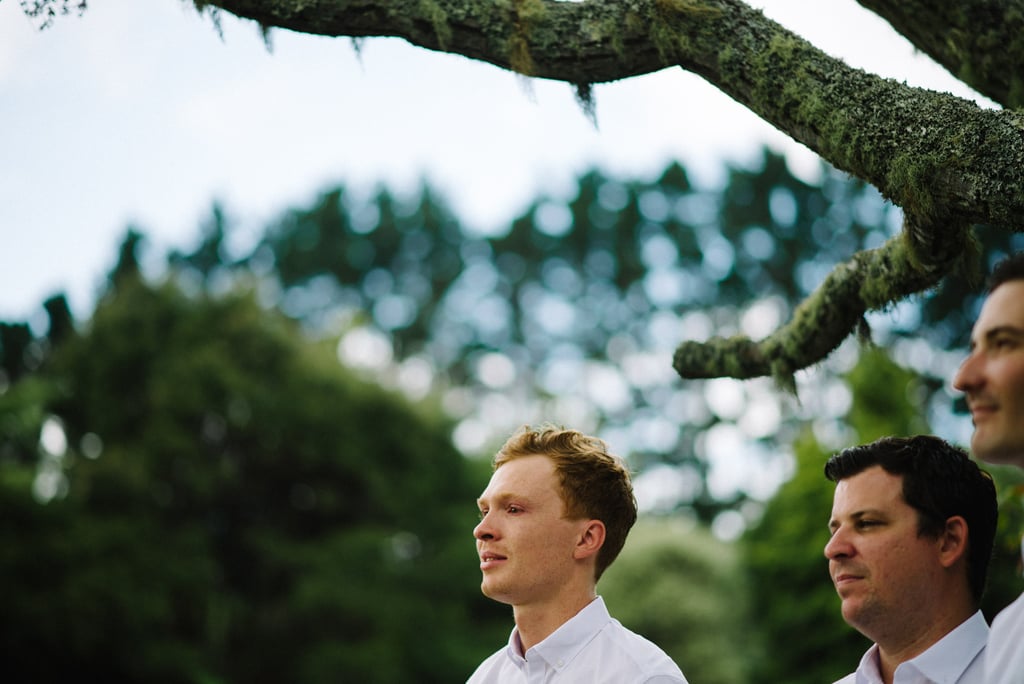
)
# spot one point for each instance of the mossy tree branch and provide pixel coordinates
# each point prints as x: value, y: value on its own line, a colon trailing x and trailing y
x: 923, y: 150
x: 944, y: 160
x: 872, y: 280
x: 980, y: 42
x: 947, y: 162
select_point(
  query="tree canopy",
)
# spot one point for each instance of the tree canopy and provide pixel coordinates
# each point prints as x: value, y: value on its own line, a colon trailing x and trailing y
x: 575, y: 310
x: 193, y: 491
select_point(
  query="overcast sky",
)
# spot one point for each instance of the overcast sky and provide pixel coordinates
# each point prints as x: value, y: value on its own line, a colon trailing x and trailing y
x: 140, y: 113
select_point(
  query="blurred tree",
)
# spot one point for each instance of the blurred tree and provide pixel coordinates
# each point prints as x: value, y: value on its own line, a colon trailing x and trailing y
x: 803, y: 637
x: 575, y: 309
x: 209, y: 497
x: 685, y: 590
x: 1005, y: 581
x: 569, y: 313
x: 211, y: 254
x: 15, y: 350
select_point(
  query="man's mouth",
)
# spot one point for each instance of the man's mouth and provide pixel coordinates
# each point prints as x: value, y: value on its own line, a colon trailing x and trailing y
x: 981, y: 410
x: 845, y: 583
x: 843, y: 576
x: 490, y: 560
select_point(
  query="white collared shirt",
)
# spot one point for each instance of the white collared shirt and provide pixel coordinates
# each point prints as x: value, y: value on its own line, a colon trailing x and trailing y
x: 957, y: 658
x: 1004, y: 657
x: 590, y: 648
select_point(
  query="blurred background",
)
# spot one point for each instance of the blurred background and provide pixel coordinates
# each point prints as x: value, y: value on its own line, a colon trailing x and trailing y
x: 267, y: 310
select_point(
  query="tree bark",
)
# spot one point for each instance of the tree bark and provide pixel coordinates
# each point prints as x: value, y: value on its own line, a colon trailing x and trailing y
x: 927, y: 152
x: 980, y: 42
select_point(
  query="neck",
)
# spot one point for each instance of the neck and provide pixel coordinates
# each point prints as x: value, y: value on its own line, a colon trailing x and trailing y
x: 910, y: 644
x: 536, y: 622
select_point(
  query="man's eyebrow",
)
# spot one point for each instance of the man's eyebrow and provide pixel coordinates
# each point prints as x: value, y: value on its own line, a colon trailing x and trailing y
x: 996, y: 331
x: 857, y: 515
x: 1004, y: 330
x: 497, y: 498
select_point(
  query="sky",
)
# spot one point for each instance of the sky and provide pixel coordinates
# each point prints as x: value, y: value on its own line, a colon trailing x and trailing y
x: 143, y: 114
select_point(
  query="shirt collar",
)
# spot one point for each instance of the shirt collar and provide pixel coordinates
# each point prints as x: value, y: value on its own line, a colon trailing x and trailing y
x: 868, y: 671
x: 944, y: 662
x: 564, y: 644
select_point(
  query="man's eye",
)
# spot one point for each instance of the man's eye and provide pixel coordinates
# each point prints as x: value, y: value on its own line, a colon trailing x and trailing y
x: 514, y: 509
x: 481, y: 514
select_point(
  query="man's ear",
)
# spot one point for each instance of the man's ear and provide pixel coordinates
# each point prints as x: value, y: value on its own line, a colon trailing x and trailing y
x: 591, y: 539
x: 953, y: 541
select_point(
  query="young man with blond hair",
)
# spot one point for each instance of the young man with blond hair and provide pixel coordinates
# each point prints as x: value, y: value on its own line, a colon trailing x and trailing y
x: 553, y: 517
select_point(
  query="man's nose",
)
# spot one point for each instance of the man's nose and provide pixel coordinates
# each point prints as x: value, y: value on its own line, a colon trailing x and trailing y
x: 838, y: 546
x: 968, y: 375
x: 483, y: 530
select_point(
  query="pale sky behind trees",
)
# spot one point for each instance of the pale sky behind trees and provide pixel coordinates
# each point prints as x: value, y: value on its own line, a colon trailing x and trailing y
x: 142, y: 114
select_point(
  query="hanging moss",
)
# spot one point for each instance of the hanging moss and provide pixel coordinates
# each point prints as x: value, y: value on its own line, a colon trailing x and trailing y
x: 439, y: 20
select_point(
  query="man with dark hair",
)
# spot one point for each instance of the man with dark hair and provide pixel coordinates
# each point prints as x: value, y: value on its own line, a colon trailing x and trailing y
x: 992, y: 378
x: 913, y: 522
x: 553, y: 517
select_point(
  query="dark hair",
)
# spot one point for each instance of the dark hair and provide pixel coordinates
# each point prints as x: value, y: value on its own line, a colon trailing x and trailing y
x: 595, y: 484
x: 939, y: 481
x: 1009, y: 268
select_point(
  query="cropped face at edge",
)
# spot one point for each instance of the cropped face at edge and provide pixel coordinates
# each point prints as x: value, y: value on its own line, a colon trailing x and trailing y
x: 992, y: 376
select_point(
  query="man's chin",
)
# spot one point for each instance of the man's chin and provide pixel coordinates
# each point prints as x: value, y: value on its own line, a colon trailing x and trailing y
x: 494, y: 592
x: 996, y: 451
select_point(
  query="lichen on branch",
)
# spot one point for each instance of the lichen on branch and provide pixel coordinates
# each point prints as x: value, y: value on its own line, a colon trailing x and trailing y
x: 872, y: 280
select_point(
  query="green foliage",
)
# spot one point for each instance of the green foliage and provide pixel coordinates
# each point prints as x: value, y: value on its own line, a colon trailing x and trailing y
x: 785, y: 550
x: 599, y: 284
x: 1004, y: 575
x: 22, y: 415
x: 254, y: 513
x: 15, y: 344
x: 596, y: 284
x: 886, y: 399
x: 684, y: 590
x: 803, y: 637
